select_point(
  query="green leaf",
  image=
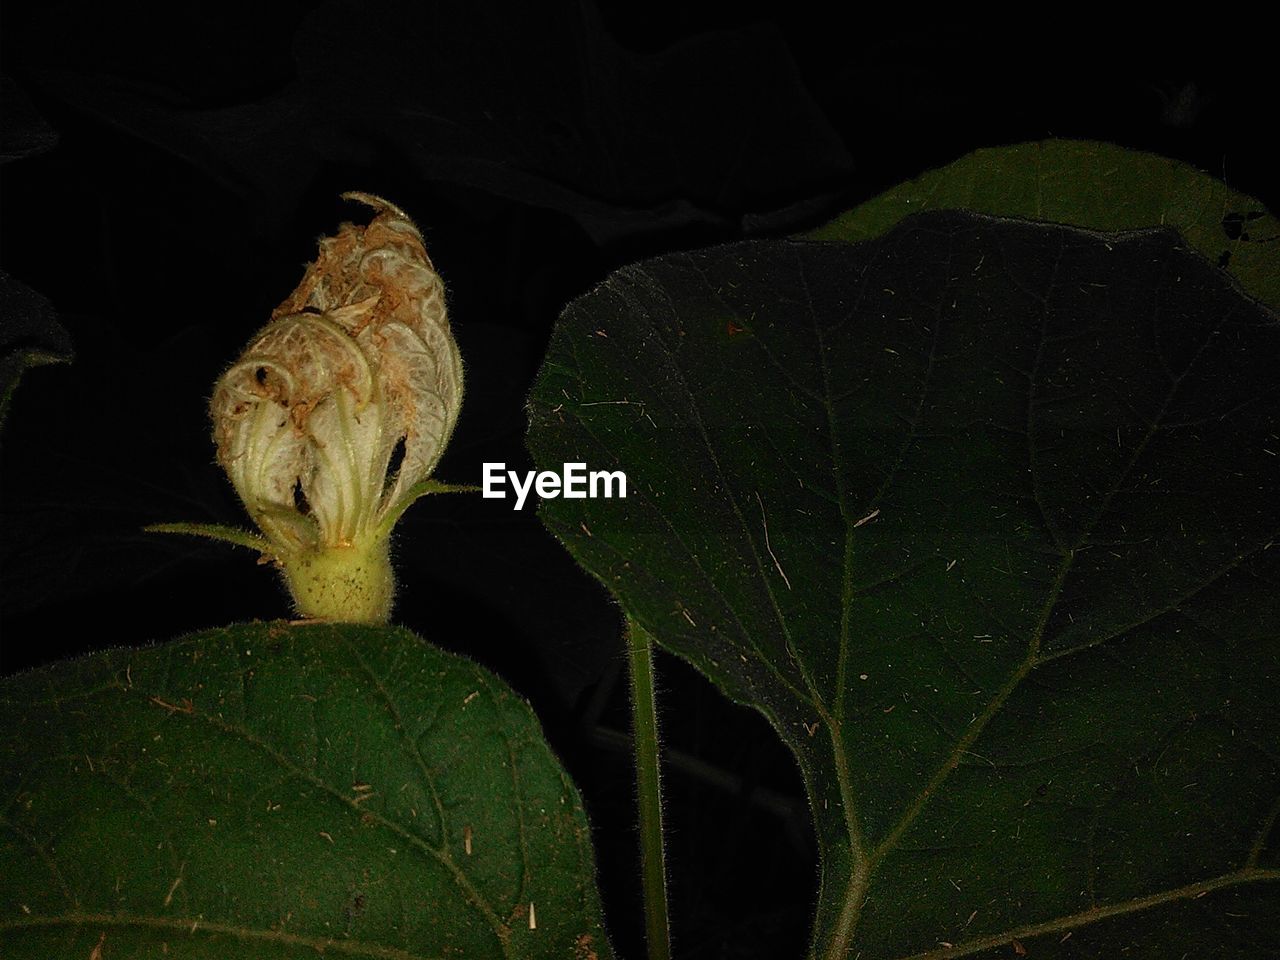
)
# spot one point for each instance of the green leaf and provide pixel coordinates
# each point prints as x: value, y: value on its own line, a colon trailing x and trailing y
x: 286, y: 791
x: 1095, y: 185
x: 30, y: 335
x: 983, y: 516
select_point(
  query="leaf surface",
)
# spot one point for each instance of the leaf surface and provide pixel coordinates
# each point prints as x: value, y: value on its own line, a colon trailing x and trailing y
x: 277, y: 791
x: 982, y: 516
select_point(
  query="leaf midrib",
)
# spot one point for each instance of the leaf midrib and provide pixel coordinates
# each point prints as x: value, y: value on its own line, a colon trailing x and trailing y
x: 470, y: 894
x: 839, y: 948
x: 1032, y: 658
x: 1095, y: 914
x: 192, y: 925
x: 441, y: 856
x: 865, y: 864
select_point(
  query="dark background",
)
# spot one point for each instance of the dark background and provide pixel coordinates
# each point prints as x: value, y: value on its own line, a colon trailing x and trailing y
x: 175, y: 166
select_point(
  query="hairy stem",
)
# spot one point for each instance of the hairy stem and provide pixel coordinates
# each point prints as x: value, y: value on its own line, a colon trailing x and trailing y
x: 644, y: 720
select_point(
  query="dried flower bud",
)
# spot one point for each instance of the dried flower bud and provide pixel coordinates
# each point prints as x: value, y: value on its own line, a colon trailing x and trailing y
x: 356, y: 370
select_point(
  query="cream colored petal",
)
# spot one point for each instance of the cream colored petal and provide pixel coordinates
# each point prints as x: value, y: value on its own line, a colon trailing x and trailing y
x: 357, y: 359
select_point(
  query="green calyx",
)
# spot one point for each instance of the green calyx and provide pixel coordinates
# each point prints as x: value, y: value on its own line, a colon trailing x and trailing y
x: 351, y: 584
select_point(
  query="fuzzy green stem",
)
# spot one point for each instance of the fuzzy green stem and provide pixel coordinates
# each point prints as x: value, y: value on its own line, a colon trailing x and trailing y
x: 644, y: 721
x: 343, y: 584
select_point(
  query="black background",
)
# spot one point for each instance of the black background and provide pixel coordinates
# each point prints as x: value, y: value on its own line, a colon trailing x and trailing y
x: 181, y: 161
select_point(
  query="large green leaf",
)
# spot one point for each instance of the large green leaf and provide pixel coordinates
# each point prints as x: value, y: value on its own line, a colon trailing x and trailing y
x: 277, y: 791
x: 983, y: 516
x: 1094, y: 185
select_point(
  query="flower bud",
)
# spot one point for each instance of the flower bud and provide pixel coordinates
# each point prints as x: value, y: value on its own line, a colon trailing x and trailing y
x: 339, y: 409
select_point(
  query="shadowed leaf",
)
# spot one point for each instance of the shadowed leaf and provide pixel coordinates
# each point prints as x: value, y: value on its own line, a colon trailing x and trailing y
x: 1095, y: 185
x: 30, y: 336
x: 982, y: 516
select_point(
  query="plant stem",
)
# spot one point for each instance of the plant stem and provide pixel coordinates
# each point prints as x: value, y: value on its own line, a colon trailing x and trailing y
x: 644, y: 722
